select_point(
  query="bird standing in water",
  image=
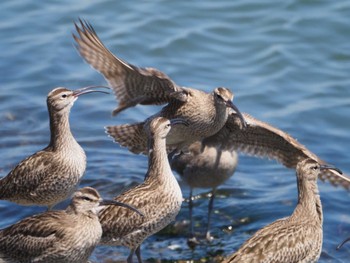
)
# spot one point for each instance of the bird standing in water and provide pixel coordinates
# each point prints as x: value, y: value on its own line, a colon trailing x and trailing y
x: 206, y: 113
x: 159, y: 197
x: 204, y: 167
x: 210, y: 115
x: 67, y: 236
x: 297, y: 238
x: 51, y: 175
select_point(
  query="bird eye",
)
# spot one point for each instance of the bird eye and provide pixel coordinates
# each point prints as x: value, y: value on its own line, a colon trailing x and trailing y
x: 315, y: 167
x: 64, y: 96
x: 219, y: 96
x: 86, y: 198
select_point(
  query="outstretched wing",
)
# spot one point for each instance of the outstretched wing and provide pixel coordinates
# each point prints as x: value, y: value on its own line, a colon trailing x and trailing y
x: 131, y: 85
x: 263, y: 140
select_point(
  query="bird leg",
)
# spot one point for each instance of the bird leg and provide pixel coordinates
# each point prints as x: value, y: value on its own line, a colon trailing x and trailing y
x: 191, y: 241
x: 210, y: 209
x: 138, y: 254
x: 129, y: 259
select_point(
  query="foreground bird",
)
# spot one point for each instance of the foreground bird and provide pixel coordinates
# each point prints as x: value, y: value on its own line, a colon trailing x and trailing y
x: 204, y: 168
x: 159, y: 198
x: 51, y: 175
x: 67, y: 236
x: 206, y: 113
x: 297, y: 238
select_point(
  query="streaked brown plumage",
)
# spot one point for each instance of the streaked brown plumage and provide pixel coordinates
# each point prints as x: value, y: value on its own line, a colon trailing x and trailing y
x: 263, y: 140
x: 205, y: 167
x: 133, y: 85
x: 293, y: 239
x: 206, y: 113
x: 51, y: 175
x: 67, y: 236
x: 159, y: 198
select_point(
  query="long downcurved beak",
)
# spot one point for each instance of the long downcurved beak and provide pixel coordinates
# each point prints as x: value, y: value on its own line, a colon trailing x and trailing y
x: 342, y: 243
x: 89, y: 89
x: 330, y: 167
x: 230, y: 104
x: 116, y: 203
x: 179, y: 121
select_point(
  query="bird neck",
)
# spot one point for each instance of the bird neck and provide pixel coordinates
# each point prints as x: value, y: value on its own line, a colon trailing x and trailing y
x: 221, y: 112
x: 75, y: 209
x: 158, y: 164
x: 309, y: 202
x: 61, y: 136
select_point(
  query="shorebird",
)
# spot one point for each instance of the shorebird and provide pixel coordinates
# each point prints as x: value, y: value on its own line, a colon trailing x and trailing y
x: 159, y: 198
x: 51, y: 175
x: 67, y: 236
x: 297, y: 238
x: 206, y: 113
x: 204, y: 168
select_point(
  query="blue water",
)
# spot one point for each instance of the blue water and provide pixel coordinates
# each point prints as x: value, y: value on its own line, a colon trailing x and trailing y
x: 288, y: 63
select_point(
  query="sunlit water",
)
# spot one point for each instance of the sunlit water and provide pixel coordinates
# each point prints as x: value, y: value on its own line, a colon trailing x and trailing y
x: 288, y: 63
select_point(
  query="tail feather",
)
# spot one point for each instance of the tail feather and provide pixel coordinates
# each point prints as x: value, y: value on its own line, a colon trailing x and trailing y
x: 131, y: 136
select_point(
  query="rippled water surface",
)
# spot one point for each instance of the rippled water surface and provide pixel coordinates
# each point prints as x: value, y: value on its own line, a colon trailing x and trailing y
x: 288, y: 63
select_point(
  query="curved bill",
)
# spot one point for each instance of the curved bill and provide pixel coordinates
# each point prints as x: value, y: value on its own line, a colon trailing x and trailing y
x: 342, y: 243
x: 116, y: 203
x: 232, y: 106
x: 240, y: 115
x: 330, y: 167
x: 89, y: 89
x: 179, y: 121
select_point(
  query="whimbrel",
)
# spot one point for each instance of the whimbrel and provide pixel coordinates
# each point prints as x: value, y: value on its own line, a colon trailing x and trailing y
x: 67, y: 236
x: 206, y: 113
x: 51, y: 175
x: 159, y: 198
x: 297, y: 238
x: 204, y: 168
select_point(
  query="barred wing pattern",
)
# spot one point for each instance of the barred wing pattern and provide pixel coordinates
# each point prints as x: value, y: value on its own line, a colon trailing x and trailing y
x: 263, y: 140
x: 131, y: 85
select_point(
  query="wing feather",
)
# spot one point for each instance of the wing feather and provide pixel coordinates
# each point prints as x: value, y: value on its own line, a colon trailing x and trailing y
x: 131, y: 85
x: 263, y: 140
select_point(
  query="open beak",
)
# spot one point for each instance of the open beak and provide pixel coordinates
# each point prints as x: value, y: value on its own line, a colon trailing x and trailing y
x: 330, y: 167
x: 89, y: 89
x: 116, y: 203
x: 240, y: 116
x: 178, y: 121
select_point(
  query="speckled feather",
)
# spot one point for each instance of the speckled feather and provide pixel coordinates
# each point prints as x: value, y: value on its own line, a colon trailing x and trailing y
x: 159, y: 198
x: 132, y: 85
x: 42, y: 179
x: 55, y: 236
x: 201, y: 123
x: 259, y: 138
x: 205, y: 113
x: 205, y: 167
x: 51, y: 175
x: 263, y: 140
x: 295, y: 239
